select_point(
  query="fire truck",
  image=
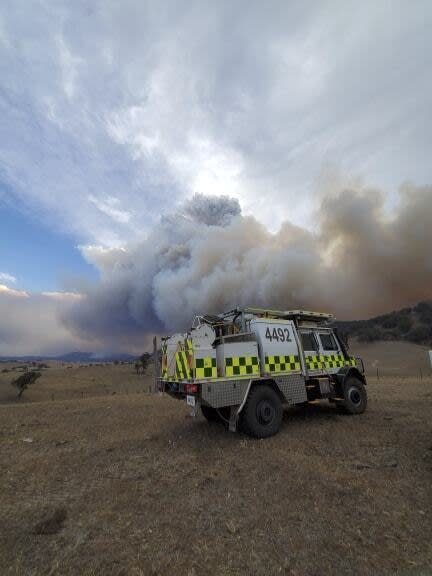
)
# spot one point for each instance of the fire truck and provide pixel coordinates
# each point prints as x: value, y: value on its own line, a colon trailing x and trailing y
x: 243, y: 366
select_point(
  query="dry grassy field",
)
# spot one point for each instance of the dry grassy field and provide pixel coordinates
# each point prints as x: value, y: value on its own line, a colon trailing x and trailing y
x: 100, y: 477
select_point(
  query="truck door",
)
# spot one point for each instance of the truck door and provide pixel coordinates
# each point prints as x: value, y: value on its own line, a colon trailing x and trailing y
x: 331, y: 354
x: 311, y: 351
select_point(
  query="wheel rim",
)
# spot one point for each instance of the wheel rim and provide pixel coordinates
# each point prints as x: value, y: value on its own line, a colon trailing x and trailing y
x: 265, y: 412
x: 355, y: 396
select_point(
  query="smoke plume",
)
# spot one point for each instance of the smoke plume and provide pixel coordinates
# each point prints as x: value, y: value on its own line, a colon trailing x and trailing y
x: 355, y: 259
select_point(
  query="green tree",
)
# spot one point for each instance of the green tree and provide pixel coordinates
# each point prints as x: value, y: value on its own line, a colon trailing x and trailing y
x: 145, y: 361
x: 24, y: 381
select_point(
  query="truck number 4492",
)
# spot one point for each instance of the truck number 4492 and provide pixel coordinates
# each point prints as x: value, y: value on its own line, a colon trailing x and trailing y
x: 278, y: 334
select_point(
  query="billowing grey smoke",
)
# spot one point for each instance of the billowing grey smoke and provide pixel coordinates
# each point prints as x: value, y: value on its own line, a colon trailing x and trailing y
x: 355, y: 263
x: 212, y: 210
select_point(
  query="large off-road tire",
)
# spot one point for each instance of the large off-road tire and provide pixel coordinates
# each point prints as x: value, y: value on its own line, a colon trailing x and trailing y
x: 355, y: 396
x: 261, y: 416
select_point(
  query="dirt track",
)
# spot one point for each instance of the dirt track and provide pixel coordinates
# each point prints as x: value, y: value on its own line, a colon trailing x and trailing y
x: 139, y: 487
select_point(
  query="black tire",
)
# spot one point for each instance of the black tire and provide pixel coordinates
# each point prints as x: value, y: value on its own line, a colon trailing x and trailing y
x: 355, y: 396
x: 210, y: 414
x: 261, y: 416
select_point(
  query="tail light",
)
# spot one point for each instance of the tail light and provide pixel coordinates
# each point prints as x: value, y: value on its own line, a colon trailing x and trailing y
x: 191, y: 388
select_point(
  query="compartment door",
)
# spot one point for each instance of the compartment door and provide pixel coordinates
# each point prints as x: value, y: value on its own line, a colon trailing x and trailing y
x: 279, y: 350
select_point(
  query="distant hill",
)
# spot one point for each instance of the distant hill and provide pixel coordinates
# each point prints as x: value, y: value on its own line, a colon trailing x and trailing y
x: 83, y: 357
x: 409, y: 324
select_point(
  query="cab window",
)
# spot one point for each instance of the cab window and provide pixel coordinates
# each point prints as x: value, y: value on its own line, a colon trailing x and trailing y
x: 328, y: 342
x: 309, y: 341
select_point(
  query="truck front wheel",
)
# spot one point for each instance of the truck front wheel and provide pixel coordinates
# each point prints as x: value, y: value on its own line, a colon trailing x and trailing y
x: 261, y: 416
x: 355, y: 396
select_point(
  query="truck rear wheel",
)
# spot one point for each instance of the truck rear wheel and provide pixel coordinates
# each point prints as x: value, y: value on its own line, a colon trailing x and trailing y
x: 355, y: 396
x: 261, y: 416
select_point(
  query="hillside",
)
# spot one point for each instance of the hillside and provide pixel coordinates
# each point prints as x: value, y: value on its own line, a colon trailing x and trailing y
x: 410, y: 324
x: 72, y: 357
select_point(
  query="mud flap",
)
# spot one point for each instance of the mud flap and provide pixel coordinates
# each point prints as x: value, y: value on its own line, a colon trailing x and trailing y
x: 195, y: 405
x: 233, y: 418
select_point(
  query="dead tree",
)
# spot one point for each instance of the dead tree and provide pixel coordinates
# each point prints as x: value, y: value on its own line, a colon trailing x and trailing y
x: 25, y: 380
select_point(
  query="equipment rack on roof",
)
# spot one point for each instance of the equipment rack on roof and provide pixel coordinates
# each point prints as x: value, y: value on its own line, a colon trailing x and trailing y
x: 280, y: 314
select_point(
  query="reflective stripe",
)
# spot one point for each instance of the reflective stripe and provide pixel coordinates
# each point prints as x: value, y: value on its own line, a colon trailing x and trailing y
x: 182, y: 371
x: 184, y: 361
x: 164, y: 361
x: 324, y: 361
x: 205, y: 368
x: 282, y: 363
x: 241, y: 366
x: 313, y: 362
x: 333, y: 360
x: 189, y: 357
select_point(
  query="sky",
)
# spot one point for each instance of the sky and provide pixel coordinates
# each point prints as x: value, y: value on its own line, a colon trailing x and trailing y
x: 128, y: 128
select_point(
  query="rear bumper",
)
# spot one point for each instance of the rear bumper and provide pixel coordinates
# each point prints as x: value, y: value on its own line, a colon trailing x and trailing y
x: 173, y: 389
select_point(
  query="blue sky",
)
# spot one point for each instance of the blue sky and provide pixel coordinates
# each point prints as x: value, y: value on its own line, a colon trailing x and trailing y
x: 113, y: 115
x: 39, y: 258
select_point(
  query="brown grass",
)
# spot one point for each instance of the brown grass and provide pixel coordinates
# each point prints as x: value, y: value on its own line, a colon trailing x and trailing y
x: 145, y: 489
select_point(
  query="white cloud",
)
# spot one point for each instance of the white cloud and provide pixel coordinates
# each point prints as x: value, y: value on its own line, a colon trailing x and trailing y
x: 6, y: 291
x: 108, y: 206
x: 5, y: 277
x: 71, y: 296
x: 70, y: 68
x: 111, y: 116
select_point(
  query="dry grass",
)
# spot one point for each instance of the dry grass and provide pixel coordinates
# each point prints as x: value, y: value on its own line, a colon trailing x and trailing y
x: 145, y: 489
x: 402, y: 359
x: 72, y: 381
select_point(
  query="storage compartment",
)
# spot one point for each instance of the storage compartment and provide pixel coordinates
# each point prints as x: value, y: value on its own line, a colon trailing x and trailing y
x: 239, y: 357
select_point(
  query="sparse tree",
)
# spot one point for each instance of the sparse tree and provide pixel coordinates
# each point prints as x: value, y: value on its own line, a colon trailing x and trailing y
x: 137, y: 366
x: 25, y: 380
x: 145, y: 360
